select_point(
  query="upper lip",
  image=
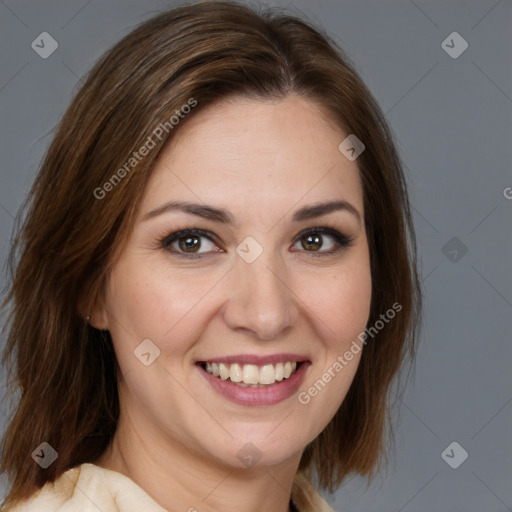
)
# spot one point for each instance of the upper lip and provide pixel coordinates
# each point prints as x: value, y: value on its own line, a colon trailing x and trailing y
x: 256, y: 359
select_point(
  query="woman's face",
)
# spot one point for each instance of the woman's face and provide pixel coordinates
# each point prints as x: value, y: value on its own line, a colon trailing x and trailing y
x: 265, y: 286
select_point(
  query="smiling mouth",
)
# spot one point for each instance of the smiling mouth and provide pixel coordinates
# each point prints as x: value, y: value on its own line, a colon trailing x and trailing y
x: 251, y: 375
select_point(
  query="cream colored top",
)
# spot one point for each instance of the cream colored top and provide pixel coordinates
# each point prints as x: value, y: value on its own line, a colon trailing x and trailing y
x: 90, y: 488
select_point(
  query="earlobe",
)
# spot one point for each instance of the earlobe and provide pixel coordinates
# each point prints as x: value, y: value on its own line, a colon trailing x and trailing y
x: 98, y: 318
x: 94, y: 313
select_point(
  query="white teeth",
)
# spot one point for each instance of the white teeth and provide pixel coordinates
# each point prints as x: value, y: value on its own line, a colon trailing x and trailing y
x: 223, y: 371
x: 267, y: 374
x: 279, y: 372
x: 287, y: 369
x: 235, y: 373
x: 250, y: 375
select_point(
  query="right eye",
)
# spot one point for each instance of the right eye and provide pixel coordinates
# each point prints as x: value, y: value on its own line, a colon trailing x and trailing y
x: 188, y: 243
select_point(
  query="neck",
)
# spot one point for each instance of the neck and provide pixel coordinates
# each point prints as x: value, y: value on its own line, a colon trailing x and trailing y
x: 179, y: 479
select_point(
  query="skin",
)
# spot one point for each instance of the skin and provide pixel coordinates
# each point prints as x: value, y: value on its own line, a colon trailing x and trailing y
x: 177, y: 437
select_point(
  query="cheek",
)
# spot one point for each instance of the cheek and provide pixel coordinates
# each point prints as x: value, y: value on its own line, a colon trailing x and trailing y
x: 340, y: 306
x: 341, y: 302
x: 146, y: 302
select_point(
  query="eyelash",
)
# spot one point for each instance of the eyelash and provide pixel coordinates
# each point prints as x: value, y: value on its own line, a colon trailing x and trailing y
x: 342, y: 241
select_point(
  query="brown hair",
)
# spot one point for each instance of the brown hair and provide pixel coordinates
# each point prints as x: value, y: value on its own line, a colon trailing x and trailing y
x: 65, y: 370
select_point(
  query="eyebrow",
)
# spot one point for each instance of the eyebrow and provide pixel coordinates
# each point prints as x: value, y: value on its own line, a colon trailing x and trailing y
x: 224, y: 217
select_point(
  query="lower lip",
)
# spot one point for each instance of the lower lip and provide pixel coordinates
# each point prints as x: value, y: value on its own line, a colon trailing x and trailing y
x: 269, y: 395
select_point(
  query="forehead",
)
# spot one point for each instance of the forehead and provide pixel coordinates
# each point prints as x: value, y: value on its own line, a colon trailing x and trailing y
x: 256, y: 158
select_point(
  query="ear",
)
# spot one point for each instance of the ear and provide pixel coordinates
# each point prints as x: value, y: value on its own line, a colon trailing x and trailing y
x: 92, y: 309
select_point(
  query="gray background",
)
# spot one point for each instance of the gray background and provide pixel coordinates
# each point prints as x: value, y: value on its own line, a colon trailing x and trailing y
x: 452, y: 119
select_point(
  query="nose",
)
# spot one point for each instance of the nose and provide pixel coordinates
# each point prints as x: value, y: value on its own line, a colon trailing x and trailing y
x: 260, y: 301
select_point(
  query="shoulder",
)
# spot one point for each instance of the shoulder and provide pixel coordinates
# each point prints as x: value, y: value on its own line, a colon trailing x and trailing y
x: 89, y: 488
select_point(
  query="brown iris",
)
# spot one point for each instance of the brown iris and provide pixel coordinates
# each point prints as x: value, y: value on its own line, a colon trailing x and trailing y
x: 312, y: 242
x: 190, y: 242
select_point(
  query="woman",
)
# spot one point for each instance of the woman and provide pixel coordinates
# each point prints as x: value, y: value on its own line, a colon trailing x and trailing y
x: 215, y: 282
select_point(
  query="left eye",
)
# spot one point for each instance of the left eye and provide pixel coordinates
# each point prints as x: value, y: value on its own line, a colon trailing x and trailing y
x: 313, y: 242
x: 314, y: 239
